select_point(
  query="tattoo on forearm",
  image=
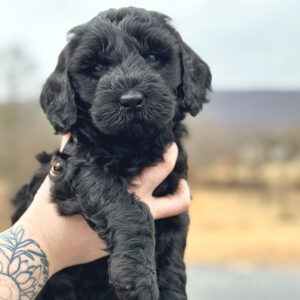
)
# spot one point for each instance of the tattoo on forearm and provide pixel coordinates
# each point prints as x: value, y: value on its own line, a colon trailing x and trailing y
x: 23, y: 266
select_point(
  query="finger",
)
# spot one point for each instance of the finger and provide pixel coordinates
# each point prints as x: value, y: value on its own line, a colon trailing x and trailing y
x: 172, y: 205
x: 151, y: 177
x: 64, y: 141
x: 44, y: 190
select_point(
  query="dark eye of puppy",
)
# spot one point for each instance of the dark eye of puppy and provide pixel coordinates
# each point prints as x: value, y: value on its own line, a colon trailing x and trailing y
x: 152, y: 57
x: 97, y: 68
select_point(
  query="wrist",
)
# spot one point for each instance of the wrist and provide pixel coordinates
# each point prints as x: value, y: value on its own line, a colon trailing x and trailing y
x: 43, y: 222
x: 24, y: 262
x: 32, y: 232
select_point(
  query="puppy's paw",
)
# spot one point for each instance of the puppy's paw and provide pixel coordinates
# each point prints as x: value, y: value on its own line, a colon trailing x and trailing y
x: 147, y: 292
x: 136, y: 286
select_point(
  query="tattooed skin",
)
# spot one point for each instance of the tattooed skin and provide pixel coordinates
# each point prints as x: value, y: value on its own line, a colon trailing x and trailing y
x: 23, y: 266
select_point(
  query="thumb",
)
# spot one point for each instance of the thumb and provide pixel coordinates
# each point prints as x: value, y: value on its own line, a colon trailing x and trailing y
x: 64, y: 141
x: 171, y: 205
x: 151, y: 177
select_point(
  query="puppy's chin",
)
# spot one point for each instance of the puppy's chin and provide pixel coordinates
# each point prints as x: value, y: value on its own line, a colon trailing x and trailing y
x: 133, y: 130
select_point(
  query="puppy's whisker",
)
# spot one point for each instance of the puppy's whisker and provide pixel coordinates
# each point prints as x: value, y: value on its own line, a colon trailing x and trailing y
x: 81, y: 108
x: 83, y: 118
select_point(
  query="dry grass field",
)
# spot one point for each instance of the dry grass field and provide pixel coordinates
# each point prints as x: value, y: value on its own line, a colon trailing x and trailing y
x: 5, y: 209
x: 234, y: 226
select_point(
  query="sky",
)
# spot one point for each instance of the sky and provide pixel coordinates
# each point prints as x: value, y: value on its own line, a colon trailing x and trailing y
x: 248, y: 44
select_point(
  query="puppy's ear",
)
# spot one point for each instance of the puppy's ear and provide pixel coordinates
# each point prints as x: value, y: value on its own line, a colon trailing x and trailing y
x: 58, y: 97
x: 196, y: 81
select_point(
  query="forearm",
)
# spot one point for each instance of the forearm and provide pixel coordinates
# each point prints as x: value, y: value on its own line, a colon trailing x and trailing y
x: 24, y: 262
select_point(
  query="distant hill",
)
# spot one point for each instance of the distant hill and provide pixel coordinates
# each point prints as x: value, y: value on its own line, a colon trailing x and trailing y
x: 254, y: 110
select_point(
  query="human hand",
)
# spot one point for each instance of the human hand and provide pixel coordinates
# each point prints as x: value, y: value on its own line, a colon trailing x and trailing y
x: 150, y: 179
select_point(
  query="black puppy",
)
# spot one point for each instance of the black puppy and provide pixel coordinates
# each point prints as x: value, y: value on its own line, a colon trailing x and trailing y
x: 122, y: 85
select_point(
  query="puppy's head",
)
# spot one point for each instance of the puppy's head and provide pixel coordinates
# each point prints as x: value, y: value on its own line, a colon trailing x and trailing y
x: 130, y: 73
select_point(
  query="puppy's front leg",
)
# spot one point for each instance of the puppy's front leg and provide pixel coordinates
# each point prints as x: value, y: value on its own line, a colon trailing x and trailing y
x: 132, y: 267
x: 127, y: 227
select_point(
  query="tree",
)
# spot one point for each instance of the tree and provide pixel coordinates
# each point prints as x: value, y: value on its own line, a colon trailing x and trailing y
x: 16, y: 70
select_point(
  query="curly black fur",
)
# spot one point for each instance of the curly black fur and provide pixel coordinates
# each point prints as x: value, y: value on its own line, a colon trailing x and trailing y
x: 117, y: 52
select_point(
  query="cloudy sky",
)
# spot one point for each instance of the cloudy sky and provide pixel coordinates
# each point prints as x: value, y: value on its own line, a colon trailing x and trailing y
x: 249, y: 44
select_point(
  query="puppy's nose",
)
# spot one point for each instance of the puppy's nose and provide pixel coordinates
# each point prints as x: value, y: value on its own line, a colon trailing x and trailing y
x: 132, y: 99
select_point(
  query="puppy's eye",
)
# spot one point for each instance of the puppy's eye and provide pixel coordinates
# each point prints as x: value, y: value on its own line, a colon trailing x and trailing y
x: 152, y: 57
x: 97, y: 68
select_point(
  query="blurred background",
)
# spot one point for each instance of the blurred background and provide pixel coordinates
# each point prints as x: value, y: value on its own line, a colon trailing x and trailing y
x: 244, y: 148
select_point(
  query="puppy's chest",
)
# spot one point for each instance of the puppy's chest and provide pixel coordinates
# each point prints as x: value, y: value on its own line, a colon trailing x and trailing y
x: 120, y: 162
x: 120, y: 156
x: 128, y: 164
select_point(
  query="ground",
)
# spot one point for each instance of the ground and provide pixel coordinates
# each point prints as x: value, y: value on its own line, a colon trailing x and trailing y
x: 243, y: 227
